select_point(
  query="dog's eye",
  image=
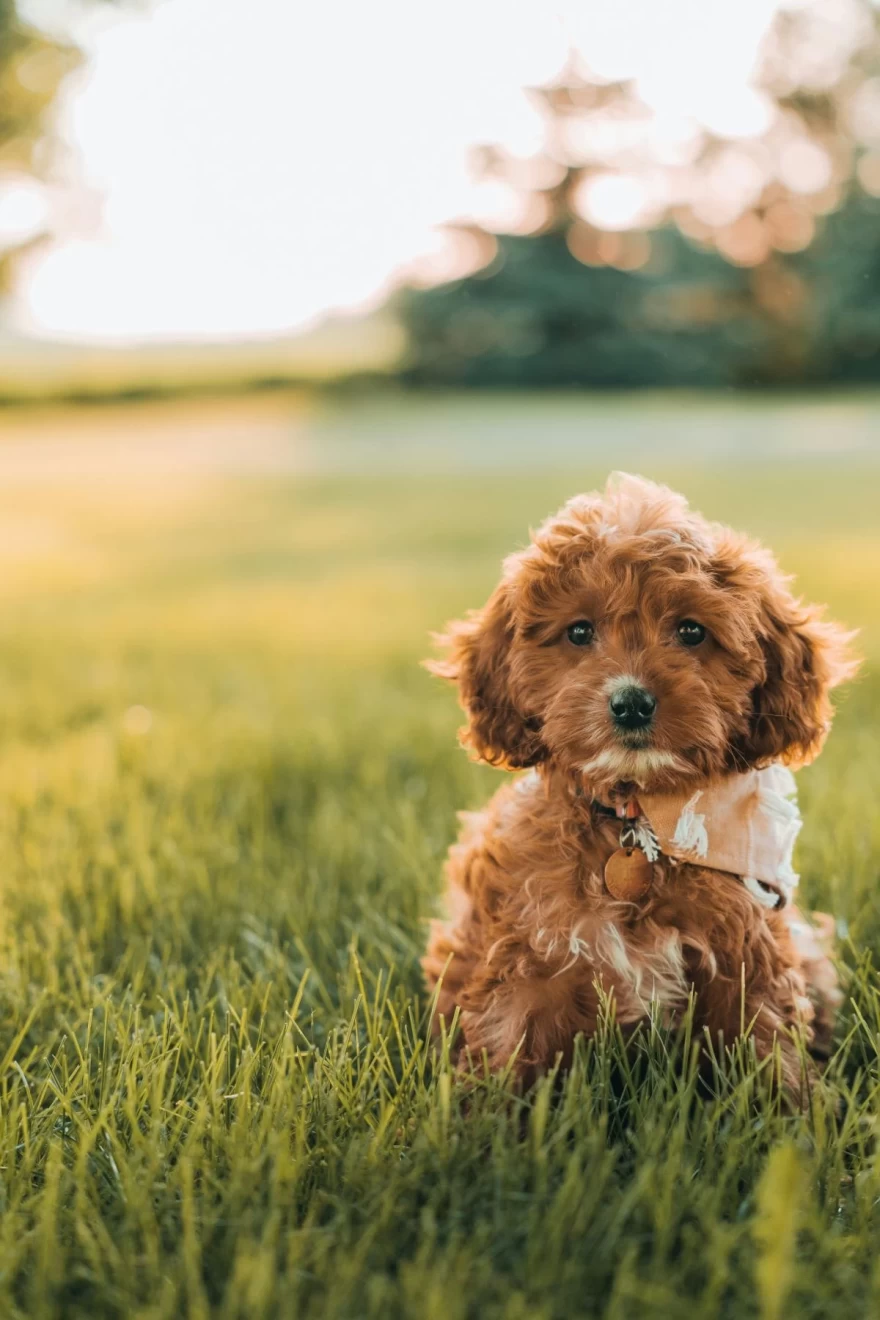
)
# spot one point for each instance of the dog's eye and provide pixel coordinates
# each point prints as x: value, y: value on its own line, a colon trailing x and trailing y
x: 690, y: 633
x: 580, y: 633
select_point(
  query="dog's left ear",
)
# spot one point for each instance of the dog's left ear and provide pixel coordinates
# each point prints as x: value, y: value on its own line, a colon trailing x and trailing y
x: 804, y: 659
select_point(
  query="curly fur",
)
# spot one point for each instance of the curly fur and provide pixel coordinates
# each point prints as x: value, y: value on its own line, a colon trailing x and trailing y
x: 535, y: 939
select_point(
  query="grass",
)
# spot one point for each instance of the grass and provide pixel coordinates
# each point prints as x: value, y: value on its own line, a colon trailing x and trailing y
x: 226, y: 790
x: 34, y: 370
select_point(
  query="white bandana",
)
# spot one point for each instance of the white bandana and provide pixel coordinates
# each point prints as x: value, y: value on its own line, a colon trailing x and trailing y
x: 745, y: 824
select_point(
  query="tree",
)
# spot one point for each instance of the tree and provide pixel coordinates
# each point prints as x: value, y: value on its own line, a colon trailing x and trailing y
x: 716, y: 267
x: 32, y: 68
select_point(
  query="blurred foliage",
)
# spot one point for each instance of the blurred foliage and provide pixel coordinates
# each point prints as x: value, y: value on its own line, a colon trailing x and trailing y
x: 32, y: 68
x: 755, y: 261
x: 538, y: 317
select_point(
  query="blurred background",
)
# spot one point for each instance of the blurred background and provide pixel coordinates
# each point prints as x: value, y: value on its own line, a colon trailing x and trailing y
x: 201, y: 194
x: 308, y: 311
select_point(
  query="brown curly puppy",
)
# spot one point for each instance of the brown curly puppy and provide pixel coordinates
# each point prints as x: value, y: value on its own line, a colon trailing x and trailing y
x: 658, y: 675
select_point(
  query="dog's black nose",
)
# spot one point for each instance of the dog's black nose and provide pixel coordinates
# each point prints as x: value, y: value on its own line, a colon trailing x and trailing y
x: 632, y: 708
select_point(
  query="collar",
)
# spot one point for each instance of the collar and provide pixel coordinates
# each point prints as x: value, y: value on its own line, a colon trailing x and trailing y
x: 744, y: 824
x: 601, y: 809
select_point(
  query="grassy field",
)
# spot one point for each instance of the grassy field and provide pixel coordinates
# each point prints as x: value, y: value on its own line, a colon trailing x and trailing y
x: 226, y: 789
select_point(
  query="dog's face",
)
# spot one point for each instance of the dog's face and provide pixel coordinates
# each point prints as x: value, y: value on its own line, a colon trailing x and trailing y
x: 634, y: 643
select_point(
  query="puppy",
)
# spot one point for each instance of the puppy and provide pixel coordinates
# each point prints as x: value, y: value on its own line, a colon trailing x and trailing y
x: 655, y: 675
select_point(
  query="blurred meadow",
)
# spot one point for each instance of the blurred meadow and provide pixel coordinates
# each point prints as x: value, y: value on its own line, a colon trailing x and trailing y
x: 307, y: 314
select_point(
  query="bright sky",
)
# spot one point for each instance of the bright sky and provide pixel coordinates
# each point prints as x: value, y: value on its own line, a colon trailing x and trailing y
x: 253, y: 164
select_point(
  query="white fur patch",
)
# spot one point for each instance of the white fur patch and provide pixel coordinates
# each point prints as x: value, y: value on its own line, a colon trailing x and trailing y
x: 655, y: 975
x: 631, y: 763
x: 690, y: 831
x: 649, y: 758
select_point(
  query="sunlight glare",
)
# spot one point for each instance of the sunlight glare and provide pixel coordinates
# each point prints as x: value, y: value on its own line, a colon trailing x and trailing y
x: 259, y: 170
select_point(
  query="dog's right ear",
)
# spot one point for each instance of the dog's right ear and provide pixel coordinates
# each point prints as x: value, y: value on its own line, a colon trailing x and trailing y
x: 478, y: 657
